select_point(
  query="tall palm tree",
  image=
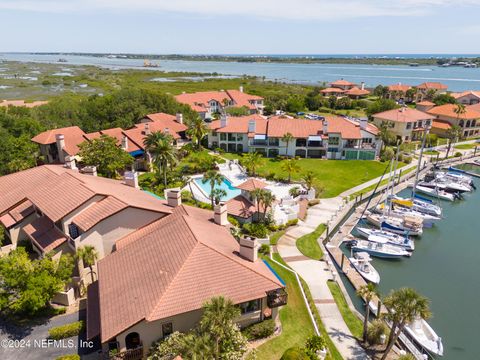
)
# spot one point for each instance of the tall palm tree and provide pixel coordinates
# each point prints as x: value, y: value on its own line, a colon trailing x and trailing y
x: 257, y: 196
x: 89, y: 255
x: 160, y: 146
x: 453, y: 133
x: 309, y: 179
x: 213, y: 178
x: 404, y: 305
x: 367, y: 292
x: 218, y: 315
x: 252, y: 162
x: 197, y: 130
x: 290, y: 166
x: 287, y: 138
x: 268, y: 199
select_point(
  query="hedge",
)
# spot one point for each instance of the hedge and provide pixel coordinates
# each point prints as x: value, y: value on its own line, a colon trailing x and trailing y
x: 66, y: 331
x: 260, y: 330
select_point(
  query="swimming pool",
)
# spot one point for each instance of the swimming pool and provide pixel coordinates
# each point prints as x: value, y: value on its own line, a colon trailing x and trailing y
x: 226, y: 185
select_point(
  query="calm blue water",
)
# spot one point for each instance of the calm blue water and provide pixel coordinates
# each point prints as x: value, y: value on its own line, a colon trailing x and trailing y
x: 457, y: 78
x: 444, y: 267
x: 225, y: 185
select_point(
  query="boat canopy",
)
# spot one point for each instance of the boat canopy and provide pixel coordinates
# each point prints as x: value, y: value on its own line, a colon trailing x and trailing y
x: 403, y: 202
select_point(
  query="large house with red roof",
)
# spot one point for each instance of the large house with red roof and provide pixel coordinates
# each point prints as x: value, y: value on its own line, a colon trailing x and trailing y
x: 332, y: 138
x: 469, y: 97
x: 208, y: 103
x: 343, y: 87
x: 61, y: 145
x: 468, y: 120
x: 405, y: 123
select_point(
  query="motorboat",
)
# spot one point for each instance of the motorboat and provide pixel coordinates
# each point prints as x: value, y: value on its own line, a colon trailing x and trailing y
x: 435, y: 192
x: 380, y: 250
x: 401, y: 212
x: 425, y: 336
x: 361, y: 261
x: 407, y: 226
x: 447, y: 185
x: 391, y: 238
x: 422, y: 205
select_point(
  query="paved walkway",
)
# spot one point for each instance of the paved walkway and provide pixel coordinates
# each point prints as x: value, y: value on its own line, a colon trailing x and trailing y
x: 317, y: 273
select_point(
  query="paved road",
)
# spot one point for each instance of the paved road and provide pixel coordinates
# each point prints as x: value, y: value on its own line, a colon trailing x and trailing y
x: 31, y: 338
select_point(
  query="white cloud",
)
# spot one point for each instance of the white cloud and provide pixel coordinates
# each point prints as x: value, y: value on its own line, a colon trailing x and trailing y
x: 275, y: 9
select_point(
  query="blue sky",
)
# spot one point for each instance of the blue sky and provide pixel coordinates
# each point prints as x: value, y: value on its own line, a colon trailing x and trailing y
x: 241, y: 26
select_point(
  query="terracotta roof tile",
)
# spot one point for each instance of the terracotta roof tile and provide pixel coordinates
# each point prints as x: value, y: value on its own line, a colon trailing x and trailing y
x: 426, y: 103
x: 432, y: 85
x: 199, y: 100
x: 332, y: 90
x: 241, y: 207
x: 240, y: 124
x: 448, y: 110
x: 74, y: 136
x: 7, y: 220
x: 252, y: 184
x: 342, y: 82
x: 300, y: 128
x: 466, y: 93
x: 98, y: 212
x: 44, y: 234
x: 399, y: 87
x: 404, y: 114
x: 475, y: 107
x: 439, y: 124
x: 355, y: 91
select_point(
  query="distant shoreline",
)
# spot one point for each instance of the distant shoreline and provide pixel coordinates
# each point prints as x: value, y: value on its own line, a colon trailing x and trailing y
x: 394, y: 59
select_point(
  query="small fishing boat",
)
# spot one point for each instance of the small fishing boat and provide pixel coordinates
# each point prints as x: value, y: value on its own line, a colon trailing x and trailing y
x: 407, y: 226
x: 380, y: 250
x: 361, y: 261
x: 425, y: 336
x: 440, y: 194
x: 390, y: 237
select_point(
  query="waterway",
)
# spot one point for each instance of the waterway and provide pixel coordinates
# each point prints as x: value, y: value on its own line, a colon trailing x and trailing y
x: 445, y: 268
x: 457, y: 78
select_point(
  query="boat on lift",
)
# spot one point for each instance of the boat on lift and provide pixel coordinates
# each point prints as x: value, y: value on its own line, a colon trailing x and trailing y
x: 425, y: 336
x: 362, y: 262
x: 391, y: 238
x: 376, y: 249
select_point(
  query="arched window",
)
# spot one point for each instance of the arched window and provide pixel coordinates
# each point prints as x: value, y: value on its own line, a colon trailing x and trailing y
x: 132, y: 341
x: 460, y: 123
x: 468, y: 123
x: 474, y: 122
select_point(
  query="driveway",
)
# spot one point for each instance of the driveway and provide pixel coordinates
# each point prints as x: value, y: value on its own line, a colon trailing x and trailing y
x: 29, y: 342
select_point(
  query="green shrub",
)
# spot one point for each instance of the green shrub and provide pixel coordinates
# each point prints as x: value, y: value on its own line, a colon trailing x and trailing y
x: 295, y: 353
x: 260, y: 330
x: 291, y: 222
x: 256, y: 230
x: 407, y: 159
x: 315, y: 343
x: 186, y: 195
x: 458, y: 154
x: 387, y: 154
x: 375, y: 330
x: 233, y: 221
x: 68, y: 357
x: 264, y: 249
x: 66, y: 331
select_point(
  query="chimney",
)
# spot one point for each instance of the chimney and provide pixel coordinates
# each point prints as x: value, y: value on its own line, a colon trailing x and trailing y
x: 174, y: 197
x: 90, y: 170
x: 325, y: 127
x: 363, y: 123
x: 179, y: 118
x: 220, y: 214
x: 70, y: 162
x: 131, y: 179
x: 124, y: 143
x: 223, y: 120
x: 60, y: 140
x: 146, y: 130
x: 249, y: 248
x: 251, y: 126
x: 363, y: 86
x: 241, y: 88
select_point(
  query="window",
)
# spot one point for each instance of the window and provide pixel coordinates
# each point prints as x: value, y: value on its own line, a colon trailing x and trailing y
x: 232, y: 137
x: 301, y: 142
x: 427, y: 123
x: 214, y: 133
x: 333, y: 141
x: 409, y: 126
x: 167, y: 329
x: 273, y: 141
x: 73, y: 230
x: 250, y: 306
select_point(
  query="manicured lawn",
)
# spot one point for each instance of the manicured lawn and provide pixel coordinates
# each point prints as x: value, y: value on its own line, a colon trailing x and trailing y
x: 308, y: 244
x: 431, y: 152
x: 331, y: 176
x: 275, y: 236
x: 465, y: 146
x: 353, y: 322
x: 296, y: 323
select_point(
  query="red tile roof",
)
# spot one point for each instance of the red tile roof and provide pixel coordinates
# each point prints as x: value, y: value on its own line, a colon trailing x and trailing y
x: 116, y: 133
x: 475, y: 107
x: 278, y: 126
x: 404, y: 114
x: 342, y: 82
x: 98, y: 212
x: 346, y: 128
x: 466, y: 93
x: 199, y: 101
x: 240, y: 124
x: 432, y: 85
x: 439, y: 124
x: 355, y: 91
x: 17, y: 214
x: 44, y: 234
x: 241, y: 207
x: 399, y: 87
x: 448, y: 110
x: 242, y: 99
x: 174, y: 266
x: 252, y: 184
x: 426, y: 103
x: 332, y: 90
x: 74, y: 136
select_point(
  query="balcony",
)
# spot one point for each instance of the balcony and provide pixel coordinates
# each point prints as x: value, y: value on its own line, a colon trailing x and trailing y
x: 132, y: 354
x: 277, y: 298
x: 258, y: 143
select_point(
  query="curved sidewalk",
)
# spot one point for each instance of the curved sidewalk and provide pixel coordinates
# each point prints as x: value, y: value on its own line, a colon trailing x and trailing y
x: 317, y: 273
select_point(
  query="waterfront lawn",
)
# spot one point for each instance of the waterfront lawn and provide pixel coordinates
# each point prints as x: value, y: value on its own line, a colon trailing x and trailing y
x: 296, y: 323
x: 354, y: 324
x: 308, y: 244
x: 332, y: 177
x: 465, y: 146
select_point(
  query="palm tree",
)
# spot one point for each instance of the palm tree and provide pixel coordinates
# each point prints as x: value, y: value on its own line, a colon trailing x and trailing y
x: 197, y: 130
x: 218, y: 315
x: 268, y: 199
x: 257, y: 196
x: 287, y: 138
x: 89, y: 255
x: 404, y: 305
x: 453, y: 133
x: 290, y: 166
x: 367, y: 292
x: 214, y: 178
x: 309, y: 179
x: 216, y: 195
x: 252, y: 161
x: 160, y: 146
